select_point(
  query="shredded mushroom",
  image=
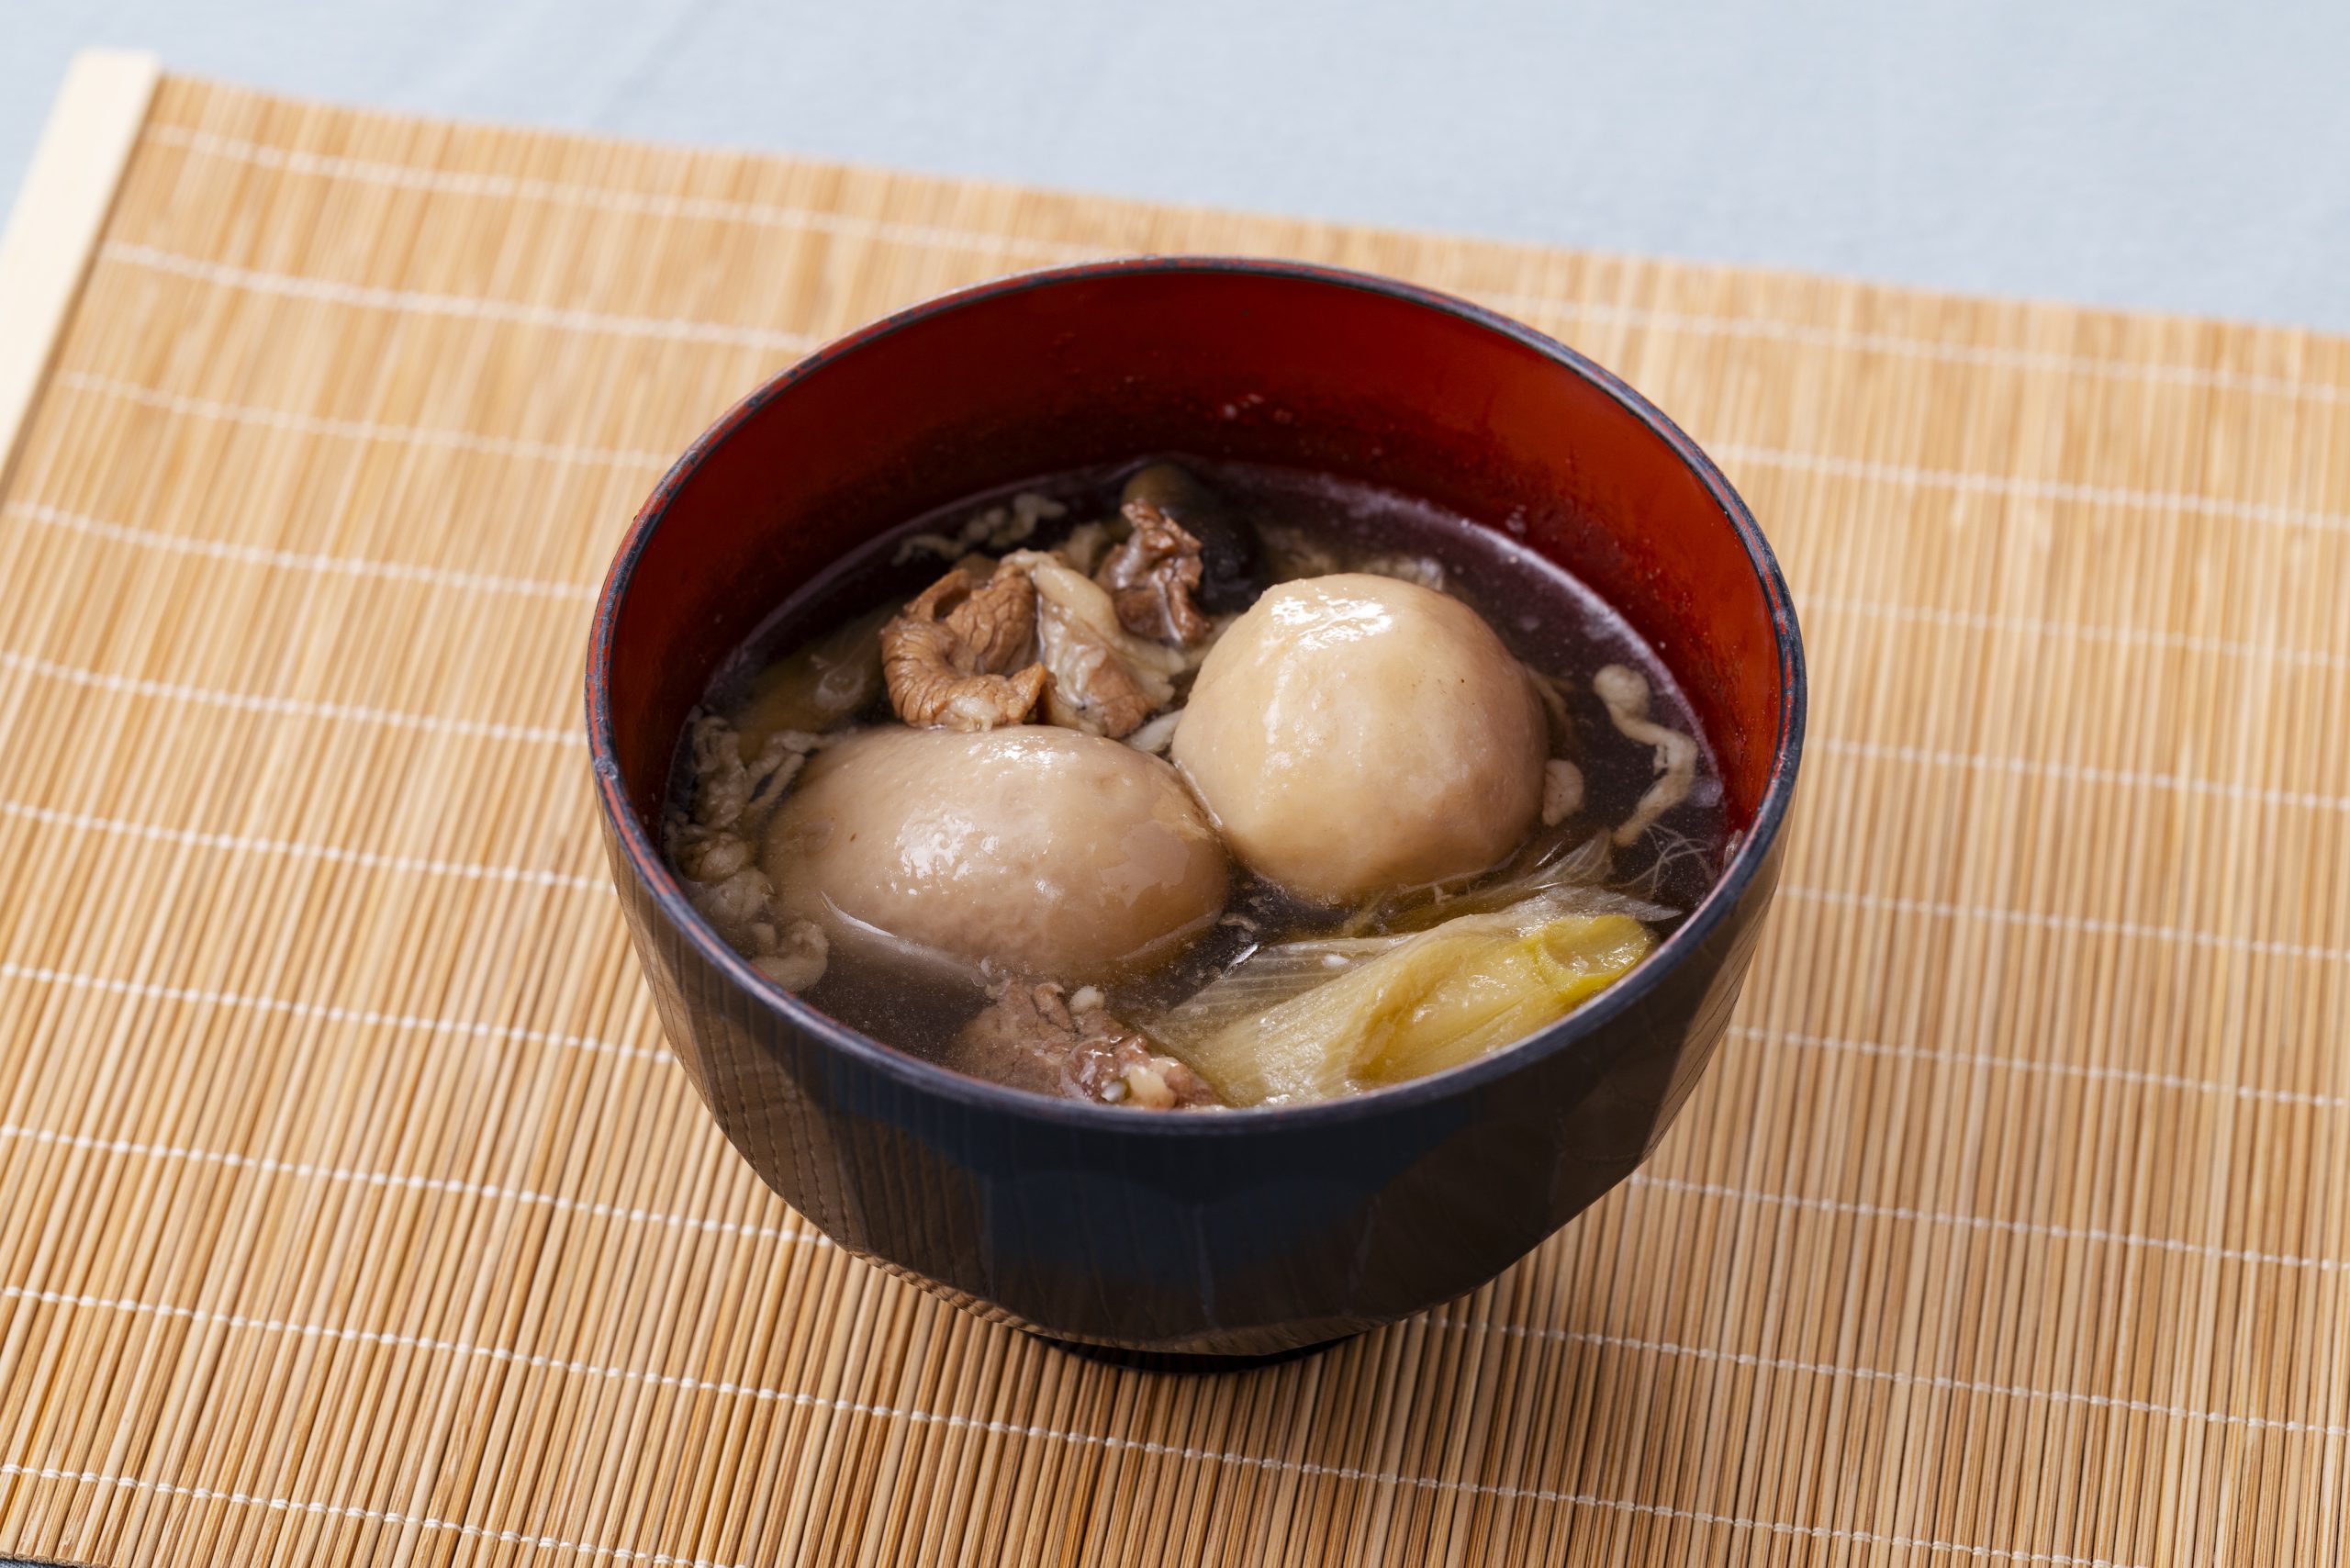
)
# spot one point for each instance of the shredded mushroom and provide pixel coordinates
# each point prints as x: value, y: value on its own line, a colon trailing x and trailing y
x: 1425, y: 570
x: 948, y: 660
x: 1625, y: 690
x: 1153, y: 577
x: 996, y: 528
x: 798, y: 957
x: 714, y: 849
x: 1562, y: 791
x: 1105, y: 680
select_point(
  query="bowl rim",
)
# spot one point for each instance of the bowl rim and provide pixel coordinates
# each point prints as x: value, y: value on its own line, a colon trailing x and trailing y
x: 913, y: 1071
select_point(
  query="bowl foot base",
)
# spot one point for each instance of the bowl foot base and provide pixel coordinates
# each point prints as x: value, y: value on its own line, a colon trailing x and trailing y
x: 1182, y: 1361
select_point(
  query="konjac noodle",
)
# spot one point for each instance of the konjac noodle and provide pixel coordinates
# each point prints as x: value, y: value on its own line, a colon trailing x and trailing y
x: 1181, y: 785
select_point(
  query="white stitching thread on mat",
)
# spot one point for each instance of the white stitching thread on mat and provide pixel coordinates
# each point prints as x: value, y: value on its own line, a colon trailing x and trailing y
x: 1010, y: 1428
x: 294, y: 850
x: 2076, y: 924
x: 361, y: 430
x: 2169, y: 783
x: 2027, y: 767
x: 232, y: 844
x: 240, y: 844
x: 1909, y: 1378
x: 1859, y: 1210
x: 1918, y: 348
x: 2073, y: 773
x: 372, y: 296
x: 454, y: 182
x: 295, y: 560
x: 9, y: 970
x: 1988, y: 483
x: 325, y: 1012
x: 2045, y: 489
x: 1005, y: 1429
x: 1819, y: 1042
x: 366, y: 296
x: 462, y: 183
x: 399, y: 571
x: 2124, y: 636
x: 267, y: 1166
x: 353, y: 1511
x: 1079, y: 1437
x: 294, y: 707
x: 559, y: 588
x: 2086, y: 1071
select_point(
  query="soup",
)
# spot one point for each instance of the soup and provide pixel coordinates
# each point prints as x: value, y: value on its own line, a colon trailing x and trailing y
x: 1185, y: 785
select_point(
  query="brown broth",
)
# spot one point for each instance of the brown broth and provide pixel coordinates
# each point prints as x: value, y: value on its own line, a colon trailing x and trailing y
x: 1543, y: 614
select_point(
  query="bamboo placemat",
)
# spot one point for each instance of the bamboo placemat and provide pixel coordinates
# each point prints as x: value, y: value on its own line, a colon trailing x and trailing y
x: 354, y: 1211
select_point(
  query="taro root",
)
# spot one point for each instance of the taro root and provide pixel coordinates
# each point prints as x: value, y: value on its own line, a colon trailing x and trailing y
x: 1040, y: 1037
x: 1051, y: 852
x: 1354, y: 735
x: 1232, y: 561
x: 948, y: 658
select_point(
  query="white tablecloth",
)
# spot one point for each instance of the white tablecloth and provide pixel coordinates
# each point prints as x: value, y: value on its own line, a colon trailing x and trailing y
x: 2135, y: 152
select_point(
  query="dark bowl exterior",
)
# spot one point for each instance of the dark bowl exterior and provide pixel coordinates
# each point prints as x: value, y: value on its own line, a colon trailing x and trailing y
x: 1254, y: 1237
x: 1230, y: 1235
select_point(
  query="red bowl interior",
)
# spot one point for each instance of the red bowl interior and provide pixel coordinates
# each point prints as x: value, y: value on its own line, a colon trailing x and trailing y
x: 1270, y: 362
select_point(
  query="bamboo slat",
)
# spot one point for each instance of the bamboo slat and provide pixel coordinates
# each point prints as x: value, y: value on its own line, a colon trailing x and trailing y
x: 354, y: 1212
